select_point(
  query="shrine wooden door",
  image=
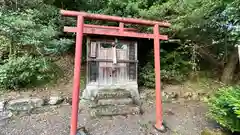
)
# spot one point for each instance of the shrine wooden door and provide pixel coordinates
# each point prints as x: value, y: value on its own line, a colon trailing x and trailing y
x: 115, y: 63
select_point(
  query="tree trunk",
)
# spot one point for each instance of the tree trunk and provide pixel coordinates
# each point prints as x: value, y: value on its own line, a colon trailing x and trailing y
x: 228, y: 72
x: 206, y: 55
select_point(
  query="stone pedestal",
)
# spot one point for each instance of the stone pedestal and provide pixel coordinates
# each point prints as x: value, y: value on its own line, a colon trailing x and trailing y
x: 91, y: 90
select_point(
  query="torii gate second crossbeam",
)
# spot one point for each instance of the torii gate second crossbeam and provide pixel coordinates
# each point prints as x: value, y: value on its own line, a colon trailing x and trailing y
x: 120, y: 31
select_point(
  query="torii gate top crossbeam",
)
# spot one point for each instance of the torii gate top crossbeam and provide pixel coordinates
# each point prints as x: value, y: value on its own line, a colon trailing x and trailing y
x: 114, y: 31
x: 114, y: 18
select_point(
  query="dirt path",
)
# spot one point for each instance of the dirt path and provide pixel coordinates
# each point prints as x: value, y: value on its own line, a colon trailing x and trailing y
x: 182, y: 119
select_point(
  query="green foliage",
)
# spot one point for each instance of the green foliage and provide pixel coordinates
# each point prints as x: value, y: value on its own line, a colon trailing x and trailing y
x: 4, y: 44
x: 30, y: 31
x: 174, y: 68
x: 23, y: 71
x: 147, y: 76
x: 25, y: 28
x: 224, y: 107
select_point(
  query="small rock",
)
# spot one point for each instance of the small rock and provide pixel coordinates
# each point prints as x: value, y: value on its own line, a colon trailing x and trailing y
x: 169, y: 112
x: 163, y: 93
x: 174, y: 95
x: 37, y: 102
x: 202, y: 93
x: 4, y: 116
x: 187, y: 95
x: 82, y: 131
x: 195, y: 96
x: 54, y: 100
x: 2, y: 105
x: 204, y: 99
x: 143, y: 95
x: 24, y: 104
x: 68, y: 100
x: 175, y: 101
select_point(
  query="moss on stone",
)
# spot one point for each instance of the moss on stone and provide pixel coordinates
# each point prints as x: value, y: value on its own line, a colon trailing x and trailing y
x: 115, y: 110
x: 212, y: 132
x: 106, y: 94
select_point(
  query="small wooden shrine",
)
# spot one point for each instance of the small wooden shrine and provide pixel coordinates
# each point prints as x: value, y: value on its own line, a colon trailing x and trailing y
x: 111, y: 64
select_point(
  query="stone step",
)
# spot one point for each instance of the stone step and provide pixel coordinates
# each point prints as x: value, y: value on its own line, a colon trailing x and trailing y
x: 113, y: 110
x: 113, y: 93
x: 120, y: 101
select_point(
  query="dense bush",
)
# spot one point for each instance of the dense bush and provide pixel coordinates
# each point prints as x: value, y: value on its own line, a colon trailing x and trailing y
x: 30, y: 33
x: 24, y: 71
x: 224, y: 107
x: 147, y: 75
x: 174, y: 68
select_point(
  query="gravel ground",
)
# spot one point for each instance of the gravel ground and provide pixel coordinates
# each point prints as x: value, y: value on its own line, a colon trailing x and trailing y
x: 182, y: 119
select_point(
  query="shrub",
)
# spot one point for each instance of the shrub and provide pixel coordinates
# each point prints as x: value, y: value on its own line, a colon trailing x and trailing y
x: 24, y: 71
x: 224, y: 107
x: 174, y: 68
x: 147, y: 76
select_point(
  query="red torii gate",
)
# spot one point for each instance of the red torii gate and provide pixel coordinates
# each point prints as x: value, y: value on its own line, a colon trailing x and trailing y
x: 120, y: 31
